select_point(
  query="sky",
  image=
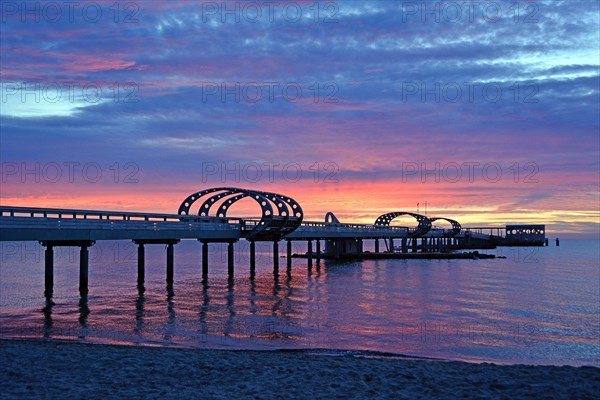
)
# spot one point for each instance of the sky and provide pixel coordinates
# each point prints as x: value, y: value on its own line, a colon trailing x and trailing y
x: 486, y: 112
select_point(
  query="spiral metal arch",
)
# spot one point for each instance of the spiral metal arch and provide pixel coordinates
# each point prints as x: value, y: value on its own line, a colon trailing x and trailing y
x: 424, y: 223
x: 456, y: 227
x: 273, y: 225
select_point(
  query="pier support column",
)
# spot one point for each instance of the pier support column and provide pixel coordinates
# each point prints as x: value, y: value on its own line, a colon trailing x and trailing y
x: 392, y: 245
x: 49, y: 270
x: 338, y: 249
x: 84, y: 259
x: 204, y: 260
x: 230, y: 260
x: 170, y: 263
x: 252, y: 258
x: 414, y: 245
x: 141, y: 270
x: 276, y: 257
x: 318, y: 250
x: 310, y: 253
x: 289, y: 254
x: 404, y: 245
x: 376, y: 245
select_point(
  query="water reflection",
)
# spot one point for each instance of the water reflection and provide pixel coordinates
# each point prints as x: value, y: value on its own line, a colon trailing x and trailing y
x: 84, y: 312
x: 140, y: 301
x: 457, y: 309
x: 204, y: 308
x: 47, y: 312
x: 230, y: 296
x: 170, y: 328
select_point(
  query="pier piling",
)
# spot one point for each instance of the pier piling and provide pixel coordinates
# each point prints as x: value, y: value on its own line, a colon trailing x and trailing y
x: 49, y: 270
x: 230, y: 256
x: 252, y: 258
x: 204, y: 260
x: 318, y: 250
x: 276, y: 257
x: 141, y: 264
x: 170, y: 263
x: 84, y: 257
x: 289, y: 255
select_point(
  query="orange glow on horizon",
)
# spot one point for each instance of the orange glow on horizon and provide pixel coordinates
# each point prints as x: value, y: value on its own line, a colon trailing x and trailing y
x: 473, y: 205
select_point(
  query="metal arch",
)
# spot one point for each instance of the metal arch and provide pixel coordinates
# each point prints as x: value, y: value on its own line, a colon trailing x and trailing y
x: 280, y: 205
x: 331, y: 219
x: 222, y: 212
x: 208, y: 203
x: 423, y: 227
x: 289, y: 213
x: 263, y: 202
x: 456, y: 227
x: 184, y: 208
x: 231, y: 201
x: 293, y: 207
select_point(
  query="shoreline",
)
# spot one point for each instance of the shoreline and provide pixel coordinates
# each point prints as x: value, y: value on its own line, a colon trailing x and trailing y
x: 65, y: 369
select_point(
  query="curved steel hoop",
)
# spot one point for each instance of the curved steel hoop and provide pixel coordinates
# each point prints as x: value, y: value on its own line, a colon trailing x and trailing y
x: 456, y: 228
x: 272, y: 227
x: 331, y: 219
x: 422, y: 228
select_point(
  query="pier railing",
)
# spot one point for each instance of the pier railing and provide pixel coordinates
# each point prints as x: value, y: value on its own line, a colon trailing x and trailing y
x: 70, y: 219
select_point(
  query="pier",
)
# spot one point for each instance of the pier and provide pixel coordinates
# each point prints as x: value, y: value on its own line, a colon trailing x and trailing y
x: 282, y: 219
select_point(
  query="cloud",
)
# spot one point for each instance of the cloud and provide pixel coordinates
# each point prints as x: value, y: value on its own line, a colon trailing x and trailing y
x: 368, y: 86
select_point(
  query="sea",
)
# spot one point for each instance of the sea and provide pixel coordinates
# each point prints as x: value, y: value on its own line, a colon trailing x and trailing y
x: 530, y: 305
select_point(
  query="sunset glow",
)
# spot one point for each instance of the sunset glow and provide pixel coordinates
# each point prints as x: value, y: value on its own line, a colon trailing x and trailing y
x: 361, y: 111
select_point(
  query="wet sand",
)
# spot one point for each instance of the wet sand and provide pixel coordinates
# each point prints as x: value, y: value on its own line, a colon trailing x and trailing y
x: 68, y: 370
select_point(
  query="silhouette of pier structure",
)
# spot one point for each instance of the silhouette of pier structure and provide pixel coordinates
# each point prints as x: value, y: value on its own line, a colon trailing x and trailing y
x: 282, y: 219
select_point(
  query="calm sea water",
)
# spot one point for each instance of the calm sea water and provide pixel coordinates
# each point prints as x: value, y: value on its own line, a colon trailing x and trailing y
x: 537, y: 306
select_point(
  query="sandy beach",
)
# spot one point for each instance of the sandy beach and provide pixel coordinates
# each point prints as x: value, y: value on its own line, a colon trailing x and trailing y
x: 67, y: 370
